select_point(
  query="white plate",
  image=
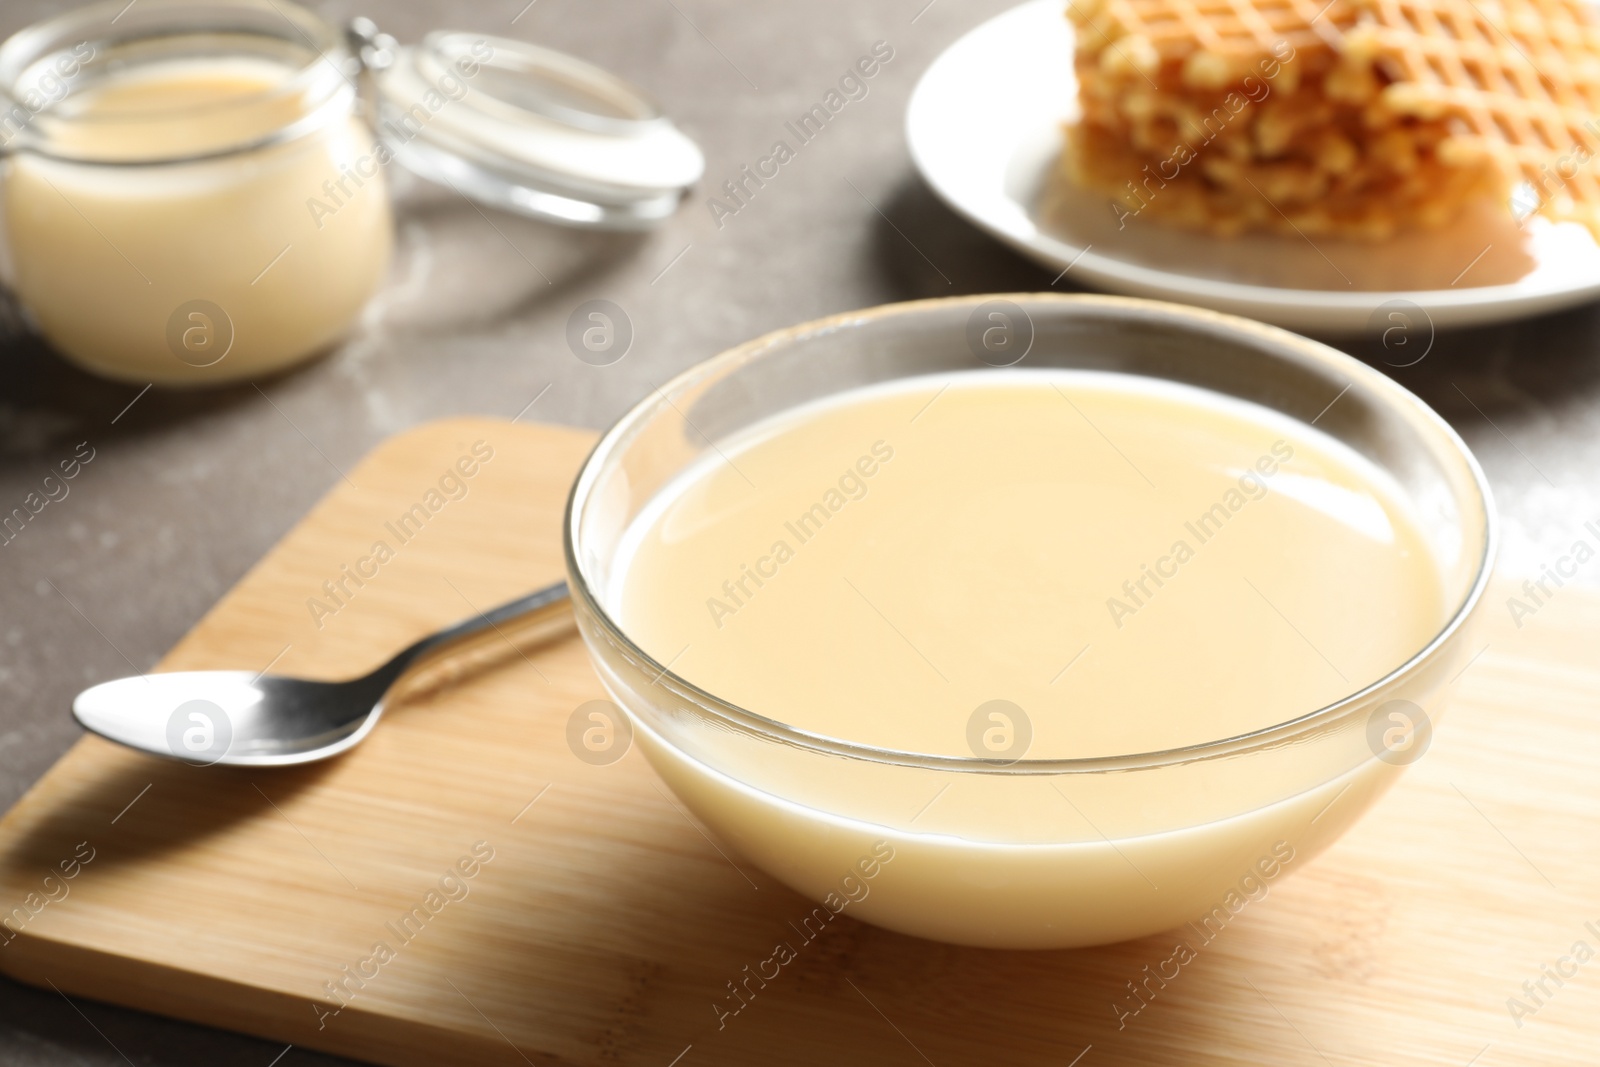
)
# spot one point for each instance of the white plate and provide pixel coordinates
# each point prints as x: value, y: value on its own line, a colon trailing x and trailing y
x: 984, y: 129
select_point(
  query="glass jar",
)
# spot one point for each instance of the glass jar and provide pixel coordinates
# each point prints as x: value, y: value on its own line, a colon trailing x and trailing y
x: 195, y: 190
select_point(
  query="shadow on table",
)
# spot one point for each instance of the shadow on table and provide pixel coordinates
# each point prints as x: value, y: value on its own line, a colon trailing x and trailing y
x: 1525, y: 375
x: 500, y: 266
x: 135, y: 807
x: 457, y: 267
x: 42, y: 1028
x: 926, y: 250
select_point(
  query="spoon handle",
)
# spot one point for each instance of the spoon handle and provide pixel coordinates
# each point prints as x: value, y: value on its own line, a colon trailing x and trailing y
x: 485, y: 637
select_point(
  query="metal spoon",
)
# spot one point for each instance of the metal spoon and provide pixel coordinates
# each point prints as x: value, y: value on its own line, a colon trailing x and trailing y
x: 266, y: 720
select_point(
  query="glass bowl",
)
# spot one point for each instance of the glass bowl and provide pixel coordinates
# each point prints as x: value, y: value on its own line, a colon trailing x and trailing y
x: 1147, y: 841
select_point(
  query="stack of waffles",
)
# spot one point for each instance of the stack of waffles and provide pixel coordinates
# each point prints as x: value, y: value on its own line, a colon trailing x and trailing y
x: 1344, y: 117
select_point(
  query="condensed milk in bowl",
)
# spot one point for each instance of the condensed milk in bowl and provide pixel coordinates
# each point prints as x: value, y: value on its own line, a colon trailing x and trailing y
x: 1030, y: 621
x: 197, y: 191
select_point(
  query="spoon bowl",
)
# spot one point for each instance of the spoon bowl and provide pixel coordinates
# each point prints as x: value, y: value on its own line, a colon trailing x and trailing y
x: 268, y: 720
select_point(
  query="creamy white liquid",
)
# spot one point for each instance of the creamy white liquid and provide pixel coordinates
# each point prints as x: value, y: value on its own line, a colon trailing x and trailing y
x: 105, y: 257
x: 1206, y: 568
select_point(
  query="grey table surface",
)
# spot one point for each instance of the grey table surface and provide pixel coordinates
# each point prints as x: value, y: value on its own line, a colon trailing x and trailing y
x: 187, y: 490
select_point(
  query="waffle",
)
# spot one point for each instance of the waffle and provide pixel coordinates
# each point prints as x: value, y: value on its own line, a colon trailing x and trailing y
x: 1349, y: 117
x: 1520, y: 78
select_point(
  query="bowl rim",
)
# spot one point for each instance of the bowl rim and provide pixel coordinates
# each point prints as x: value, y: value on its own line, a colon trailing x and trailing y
x: 1180, y: 316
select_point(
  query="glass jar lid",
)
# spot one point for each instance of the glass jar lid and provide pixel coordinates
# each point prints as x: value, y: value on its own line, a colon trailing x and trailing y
x: 527, y: 129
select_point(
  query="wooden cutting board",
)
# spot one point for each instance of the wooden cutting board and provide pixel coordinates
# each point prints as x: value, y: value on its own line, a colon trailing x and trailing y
x: 603, y: 924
